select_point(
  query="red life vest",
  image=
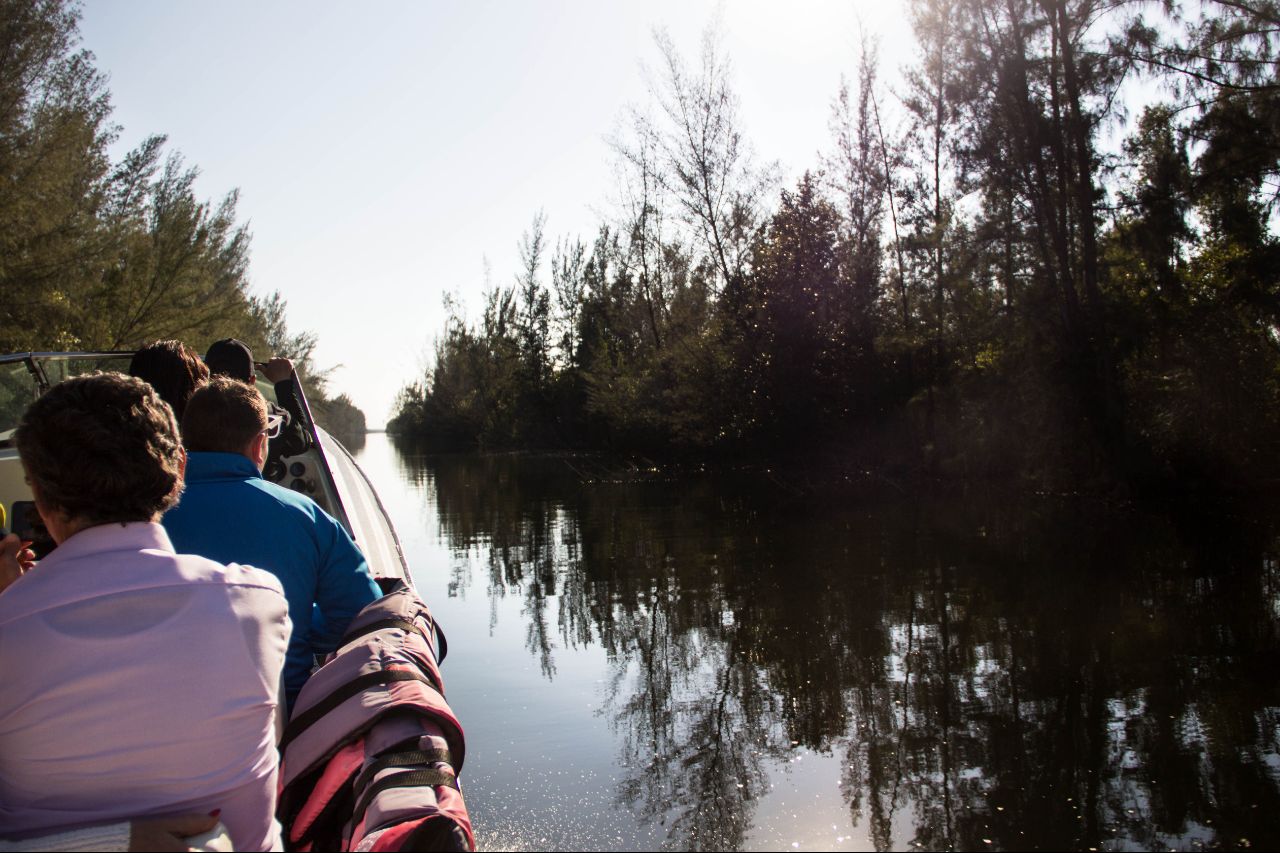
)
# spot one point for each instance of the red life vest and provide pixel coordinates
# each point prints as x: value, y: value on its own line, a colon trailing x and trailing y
x: 372, y: 753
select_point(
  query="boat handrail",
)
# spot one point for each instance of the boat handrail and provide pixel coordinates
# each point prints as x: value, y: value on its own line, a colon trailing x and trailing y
x: 10, y: 358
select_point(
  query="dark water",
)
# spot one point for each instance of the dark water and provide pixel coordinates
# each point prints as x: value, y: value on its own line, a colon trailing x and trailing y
x: 699, y: 664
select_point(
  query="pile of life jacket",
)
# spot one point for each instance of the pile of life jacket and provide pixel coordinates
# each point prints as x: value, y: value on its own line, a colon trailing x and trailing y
x: 372, y: 751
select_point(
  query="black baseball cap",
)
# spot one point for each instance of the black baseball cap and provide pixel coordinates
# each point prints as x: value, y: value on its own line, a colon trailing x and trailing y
x: 230, y: 357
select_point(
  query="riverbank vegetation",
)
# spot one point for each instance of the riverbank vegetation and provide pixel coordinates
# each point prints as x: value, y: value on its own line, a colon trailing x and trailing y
x: 99, y: 253
x: 1049, y: 255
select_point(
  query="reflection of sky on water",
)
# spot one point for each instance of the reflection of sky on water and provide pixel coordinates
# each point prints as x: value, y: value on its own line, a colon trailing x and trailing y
x: 678, y: 664
x: 538, y: 759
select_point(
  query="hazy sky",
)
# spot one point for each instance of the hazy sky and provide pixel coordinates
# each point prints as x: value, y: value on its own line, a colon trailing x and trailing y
x: 383, y: 151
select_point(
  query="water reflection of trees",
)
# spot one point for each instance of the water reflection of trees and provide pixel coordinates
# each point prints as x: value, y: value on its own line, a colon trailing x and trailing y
x: 1009, y: 678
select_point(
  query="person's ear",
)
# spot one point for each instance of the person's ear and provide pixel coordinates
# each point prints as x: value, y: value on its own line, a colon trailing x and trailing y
x: 57, y: 522
x: 258, y: 449
x: 42, y: 509
x: 182, y: 470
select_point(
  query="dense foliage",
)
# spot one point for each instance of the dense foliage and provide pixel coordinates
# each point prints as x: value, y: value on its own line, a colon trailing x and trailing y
x: 978, y: 279
x: 102, y: 255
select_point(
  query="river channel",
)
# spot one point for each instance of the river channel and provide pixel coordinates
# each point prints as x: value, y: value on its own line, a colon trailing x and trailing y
x: 643, y: 662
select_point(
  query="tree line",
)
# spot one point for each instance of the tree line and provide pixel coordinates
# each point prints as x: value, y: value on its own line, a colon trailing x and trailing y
x: 103, y: 254
x: 1006, y: 269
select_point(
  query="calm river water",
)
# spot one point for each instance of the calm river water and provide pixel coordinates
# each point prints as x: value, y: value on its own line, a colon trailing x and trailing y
x: 697, y: 665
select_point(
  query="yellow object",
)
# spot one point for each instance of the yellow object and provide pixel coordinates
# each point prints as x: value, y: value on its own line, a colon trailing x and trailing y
x: 13, y: 484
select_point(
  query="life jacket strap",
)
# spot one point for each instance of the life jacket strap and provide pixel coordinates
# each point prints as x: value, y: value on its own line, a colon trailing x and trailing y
x: 313, y: 715
x: 411, y: 779
x: 383, y: 624
x: 405, y: 625
x: 411, y: 758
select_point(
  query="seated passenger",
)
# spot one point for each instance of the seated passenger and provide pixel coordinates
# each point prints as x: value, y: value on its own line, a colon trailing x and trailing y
x: 138, y: 682
x: 158, y: 835
x: 232, y: 358
x: 173, y: 369
x: 229, y: 512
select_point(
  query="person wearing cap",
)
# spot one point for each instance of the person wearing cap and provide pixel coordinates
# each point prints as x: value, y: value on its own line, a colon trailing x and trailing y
x: 230, y: 512
x: 233, y: 358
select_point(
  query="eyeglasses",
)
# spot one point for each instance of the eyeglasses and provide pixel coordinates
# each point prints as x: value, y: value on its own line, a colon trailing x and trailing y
x: 274, y: 423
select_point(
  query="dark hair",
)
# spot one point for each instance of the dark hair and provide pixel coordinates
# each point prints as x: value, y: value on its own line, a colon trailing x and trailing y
x: 102, y: 448
x: 223, y: 417
x: 173, y: 369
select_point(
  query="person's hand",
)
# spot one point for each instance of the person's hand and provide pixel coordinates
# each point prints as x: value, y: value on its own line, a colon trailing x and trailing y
x: 277, y: 369
x: 15, y: 560
x: 167, y: 833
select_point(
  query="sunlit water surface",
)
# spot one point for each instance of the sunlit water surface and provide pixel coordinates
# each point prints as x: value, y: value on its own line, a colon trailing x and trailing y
x: 698, y: 665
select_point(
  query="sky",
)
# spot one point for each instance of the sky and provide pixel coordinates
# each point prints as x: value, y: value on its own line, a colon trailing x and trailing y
x: 383, y: 152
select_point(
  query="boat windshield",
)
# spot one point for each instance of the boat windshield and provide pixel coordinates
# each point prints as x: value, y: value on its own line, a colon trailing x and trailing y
x: 25, y: 376
x: 268, y: 390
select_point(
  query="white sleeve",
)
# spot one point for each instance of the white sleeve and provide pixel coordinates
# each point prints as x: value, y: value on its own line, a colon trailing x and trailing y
x: 95, y: 839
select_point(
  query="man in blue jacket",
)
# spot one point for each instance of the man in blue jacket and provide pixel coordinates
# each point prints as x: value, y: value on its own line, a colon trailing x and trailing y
x: 229, y: 513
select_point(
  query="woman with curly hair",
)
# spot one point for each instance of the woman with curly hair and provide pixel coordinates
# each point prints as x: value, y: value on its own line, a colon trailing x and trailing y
x: 138, y: 683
